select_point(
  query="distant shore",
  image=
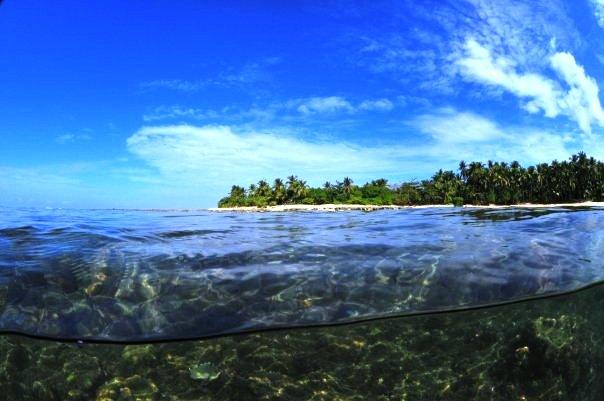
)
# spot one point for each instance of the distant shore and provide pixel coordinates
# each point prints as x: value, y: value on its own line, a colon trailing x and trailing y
x: 369, y: 208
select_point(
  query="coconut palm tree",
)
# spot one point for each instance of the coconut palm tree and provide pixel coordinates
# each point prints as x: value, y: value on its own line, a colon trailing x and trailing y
x: 263, y: 189
x: 237, y: 192
x: 347, y: 185
x: 279, y: 194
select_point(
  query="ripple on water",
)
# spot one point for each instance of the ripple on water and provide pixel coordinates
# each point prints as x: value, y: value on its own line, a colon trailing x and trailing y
x: 135, y: 275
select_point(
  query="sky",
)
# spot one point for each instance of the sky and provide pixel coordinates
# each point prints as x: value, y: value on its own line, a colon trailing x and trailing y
x: 164, y: 104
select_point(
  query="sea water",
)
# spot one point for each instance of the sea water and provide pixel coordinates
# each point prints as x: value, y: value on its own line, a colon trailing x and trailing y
x: 422, y: 304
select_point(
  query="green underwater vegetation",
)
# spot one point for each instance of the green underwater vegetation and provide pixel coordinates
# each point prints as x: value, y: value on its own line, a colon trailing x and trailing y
x: 549, y: 349
x: 581, y: 178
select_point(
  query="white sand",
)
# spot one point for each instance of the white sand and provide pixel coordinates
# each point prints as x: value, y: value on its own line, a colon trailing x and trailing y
x: 338, y: 208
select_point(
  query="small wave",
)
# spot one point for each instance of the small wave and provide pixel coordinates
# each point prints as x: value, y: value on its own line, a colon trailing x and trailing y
x: 190, y: 233
x: 140, y: 276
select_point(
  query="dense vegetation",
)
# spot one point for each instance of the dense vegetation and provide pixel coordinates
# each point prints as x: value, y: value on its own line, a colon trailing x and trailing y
x: 580, y: 178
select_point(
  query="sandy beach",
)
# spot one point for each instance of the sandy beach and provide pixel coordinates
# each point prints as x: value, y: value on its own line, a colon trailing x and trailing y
x: 370, y: 208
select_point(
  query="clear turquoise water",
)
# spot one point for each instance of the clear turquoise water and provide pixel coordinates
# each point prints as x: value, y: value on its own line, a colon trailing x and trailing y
x: 227, y: 279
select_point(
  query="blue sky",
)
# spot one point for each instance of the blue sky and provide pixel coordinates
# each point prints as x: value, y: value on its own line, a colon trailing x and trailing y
x: 167, y: 104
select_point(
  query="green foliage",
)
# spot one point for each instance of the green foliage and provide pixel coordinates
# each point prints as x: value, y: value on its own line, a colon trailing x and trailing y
x: 457, y: 201
x: 580, y: 178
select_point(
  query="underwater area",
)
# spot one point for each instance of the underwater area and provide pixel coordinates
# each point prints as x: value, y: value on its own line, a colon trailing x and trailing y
x: 418, y: 304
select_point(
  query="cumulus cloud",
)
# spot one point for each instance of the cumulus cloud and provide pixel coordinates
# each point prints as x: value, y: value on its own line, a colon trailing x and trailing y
x: 580, y: 102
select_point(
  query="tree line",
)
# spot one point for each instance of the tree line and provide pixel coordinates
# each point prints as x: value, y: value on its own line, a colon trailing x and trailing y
x: 580, y: 178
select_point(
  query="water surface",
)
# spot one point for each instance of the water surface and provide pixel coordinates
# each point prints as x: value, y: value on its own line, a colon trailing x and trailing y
x: 153, y: 275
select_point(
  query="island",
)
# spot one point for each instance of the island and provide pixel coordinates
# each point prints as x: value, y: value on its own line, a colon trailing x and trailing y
x: 578, y: 180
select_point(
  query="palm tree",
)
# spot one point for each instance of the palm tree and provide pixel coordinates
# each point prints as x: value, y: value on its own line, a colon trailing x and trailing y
x: 463, y: 170
x: 380, y: 182
x: 237, y: 192
x: 296, y: 189
x: 279, y: 191
x: 347, y: 185
x: 263, y: 189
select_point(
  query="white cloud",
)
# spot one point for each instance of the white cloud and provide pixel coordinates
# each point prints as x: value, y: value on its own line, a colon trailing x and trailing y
x: 418, y: 54
x: 468, y: 136
x: 580, y: 102
x: 450, y: 126
x: 522, y: 30
x: 174, y: 84
x: 328, y: 104
x: 333, y: 104
x: 598, y: 6
x: 287, y: 111
x: 220, y: 155
x: 379, y: 104
x: 66, y: 138
x: 478, y: 63
x: 101, y: 183
x: 175, y: 112
x: 31, y: 186
x: 246, y: 74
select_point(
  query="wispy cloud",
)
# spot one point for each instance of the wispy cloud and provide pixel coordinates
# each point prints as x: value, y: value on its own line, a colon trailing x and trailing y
x: 469, y: 136
x: 286, y: 110
x: 328, y: 104
x: 32, y: 186
x: 248, y: 74
x: 379, y: 104
x: 335, y: 104
x: 575, y: 94
x: 66, y: 138
x: 447, y: 126
x: 179, y: 112
x: 180, y: 85
x: 100, y: 183
x: 478, y: 63
x: 522, y: 30
x: 581, y: 100
x: 598, y: 6
x: 419, y: 51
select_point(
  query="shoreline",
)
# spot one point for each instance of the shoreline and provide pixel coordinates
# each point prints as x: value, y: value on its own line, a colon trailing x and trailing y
x: 370, y: 208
